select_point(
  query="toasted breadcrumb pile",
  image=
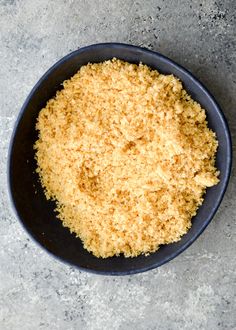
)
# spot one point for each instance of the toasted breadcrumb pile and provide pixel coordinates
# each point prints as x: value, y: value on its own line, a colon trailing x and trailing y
x: 127, y: 156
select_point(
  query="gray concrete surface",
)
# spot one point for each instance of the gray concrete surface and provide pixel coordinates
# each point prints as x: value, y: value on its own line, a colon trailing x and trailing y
x: 195, y: 291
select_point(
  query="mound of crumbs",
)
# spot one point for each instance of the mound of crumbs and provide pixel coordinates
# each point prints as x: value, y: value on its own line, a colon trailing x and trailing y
x: 127, y: 156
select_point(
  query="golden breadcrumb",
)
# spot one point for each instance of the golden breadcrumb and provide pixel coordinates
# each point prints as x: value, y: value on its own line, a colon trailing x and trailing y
x: 127, y: 155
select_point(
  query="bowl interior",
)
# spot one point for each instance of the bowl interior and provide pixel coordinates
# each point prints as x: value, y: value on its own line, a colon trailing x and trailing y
x: 36, y: 213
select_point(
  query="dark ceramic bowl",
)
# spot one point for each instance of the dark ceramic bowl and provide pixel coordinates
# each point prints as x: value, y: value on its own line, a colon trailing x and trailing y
x: 36, y: 213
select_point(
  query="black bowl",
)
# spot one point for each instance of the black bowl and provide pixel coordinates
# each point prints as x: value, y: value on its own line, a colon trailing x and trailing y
x: 36, y: 213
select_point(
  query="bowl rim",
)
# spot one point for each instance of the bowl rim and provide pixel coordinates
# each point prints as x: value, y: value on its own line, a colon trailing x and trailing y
x: 196, y: 82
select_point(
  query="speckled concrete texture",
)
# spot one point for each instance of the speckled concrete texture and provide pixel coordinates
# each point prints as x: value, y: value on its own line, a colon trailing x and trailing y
x: 196, y: 290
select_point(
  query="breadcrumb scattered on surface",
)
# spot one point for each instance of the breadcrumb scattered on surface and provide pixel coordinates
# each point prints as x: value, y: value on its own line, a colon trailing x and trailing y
x: 127, y: 156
